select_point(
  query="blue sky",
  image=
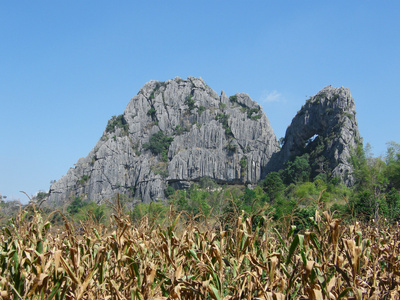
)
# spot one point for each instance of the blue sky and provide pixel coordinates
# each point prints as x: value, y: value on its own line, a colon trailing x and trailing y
x: 67, y: 66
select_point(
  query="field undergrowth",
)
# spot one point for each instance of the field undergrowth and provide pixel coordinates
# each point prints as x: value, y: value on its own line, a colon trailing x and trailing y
x: 242, y: 257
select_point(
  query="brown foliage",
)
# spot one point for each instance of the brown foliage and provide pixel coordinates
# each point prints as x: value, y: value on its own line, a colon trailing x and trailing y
x: 182, y: 261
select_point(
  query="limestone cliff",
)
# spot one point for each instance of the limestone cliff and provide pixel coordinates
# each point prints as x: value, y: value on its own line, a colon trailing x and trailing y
x: 178, y: 131
x: 326, y: 128
x: 173, y: 133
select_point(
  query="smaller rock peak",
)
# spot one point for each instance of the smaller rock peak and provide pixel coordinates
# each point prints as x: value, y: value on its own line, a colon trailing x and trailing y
x: 326, y: 129
x: 330, y: 90
x: 330, y: 95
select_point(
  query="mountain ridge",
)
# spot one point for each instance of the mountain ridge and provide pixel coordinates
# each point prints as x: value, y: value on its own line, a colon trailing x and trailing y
x: 174, y: 133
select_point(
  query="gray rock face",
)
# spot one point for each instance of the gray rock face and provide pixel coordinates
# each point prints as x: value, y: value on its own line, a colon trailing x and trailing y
x: 227, y: 139
x: 326, y: 127
x: 178, y: 131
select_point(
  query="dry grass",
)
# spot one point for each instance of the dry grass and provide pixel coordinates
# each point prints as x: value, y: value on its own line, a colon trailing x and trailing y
x: 189, y: 260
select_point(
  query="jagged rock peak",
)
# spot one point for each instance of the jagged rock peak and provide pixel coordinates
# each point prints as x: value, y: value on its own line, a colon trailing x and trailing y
x: 173, y: 133
x: 325, y: 127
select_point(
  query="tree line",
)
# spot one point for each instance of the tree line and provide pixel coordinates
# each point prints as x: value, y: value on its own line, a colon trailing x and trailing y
x: 290, y: 196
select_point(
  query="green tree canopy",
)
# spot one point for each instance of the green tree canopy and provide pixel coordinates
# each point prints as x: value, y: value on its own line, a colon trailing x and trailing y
x: 298, y: 170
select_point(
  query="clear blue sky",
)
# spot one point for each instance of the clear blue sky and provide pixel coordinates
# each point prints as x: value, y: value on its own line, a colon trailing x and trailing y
x: 67, y: 66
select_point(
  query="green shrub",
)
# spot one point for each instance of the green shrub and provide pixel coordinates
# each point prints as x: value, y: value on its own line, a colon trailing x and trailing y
x: 298, y: 170
x: 201, y: 109
x: 350, y: 116
x: 75, y: 206
x: 156, y: 212
x: 393, y: 204
x: 169, y: 191
x: 273, y: 185
x: 117, y: 122
x: 207, y: 183
x: 159, y: 144
x: 251, y: 111
x: 190, y: 103
x: 223, y: 119
x: 305, y: 189
x: 156, y: 88
x: 84, y: 179
x: 152, y: 113
x: 243, y: 165
x: 179, y: 130
x: 329, y: 111
x: 41, y: 195
x: 233, y: 98
x: 256, y: 117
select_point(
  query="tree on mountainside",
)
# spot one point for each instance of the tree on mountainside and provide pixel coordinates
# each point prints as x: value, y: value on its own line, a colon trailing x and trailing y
x: 393, y: 164
x: 272, y: 185
x: 297, y: 170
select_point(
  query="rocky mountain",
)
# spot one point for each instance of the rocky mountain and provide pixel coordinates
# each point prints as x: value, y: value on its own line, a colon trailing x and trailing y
x: 326, y: 128
x: 176, y: 132
x: 173, y: 133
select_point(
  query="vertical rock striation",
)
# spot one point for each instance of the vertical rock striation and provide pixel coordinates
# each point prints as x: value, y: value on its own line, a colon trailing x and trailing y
x: 178, y: 131
x: 173, y: 133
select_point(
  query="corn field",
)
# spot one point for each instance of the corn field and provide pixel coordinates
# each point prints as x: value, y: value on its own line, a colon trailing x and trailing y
x: 184, y: 259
